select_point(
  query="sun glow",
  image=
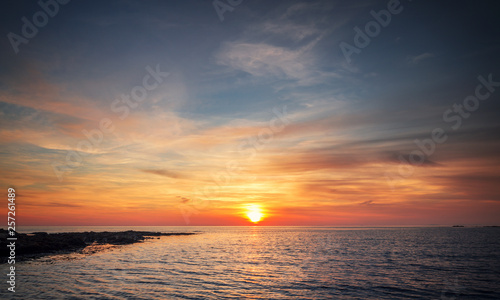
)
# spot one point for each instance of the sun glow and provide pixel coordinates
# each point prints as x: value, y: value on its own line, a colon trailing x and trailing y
x: 254, y: 214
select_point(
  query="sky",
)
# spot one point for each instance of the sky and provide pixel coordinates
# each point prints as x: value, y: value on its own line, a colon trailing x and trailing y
x: 320, y: 113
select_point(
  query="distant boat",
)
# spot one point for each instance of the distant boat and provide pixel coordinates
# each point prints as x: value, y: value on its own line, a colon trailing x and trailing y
x: 457, y: 226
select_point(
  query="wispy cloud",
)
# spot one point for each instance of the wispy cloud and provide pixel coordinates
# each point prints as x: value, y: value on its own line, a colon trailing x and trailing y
x: 262, y: 60
x: 418, y: 58
x: 165, y: 173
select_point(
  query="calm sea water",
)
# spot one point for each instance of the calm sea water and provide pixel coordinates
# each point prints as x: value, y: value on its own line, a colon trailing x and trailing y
x: 274, y: 263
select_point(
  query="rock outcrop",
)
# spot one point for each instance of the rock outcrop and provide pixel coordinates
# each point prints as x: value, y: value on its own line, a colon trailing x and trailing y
x: 39, y: 244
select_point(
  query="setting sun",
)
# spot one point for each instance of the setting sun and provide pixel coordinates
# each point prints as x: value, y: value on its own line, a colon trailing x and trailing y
x: 254, y: 213
x: 254, y: 216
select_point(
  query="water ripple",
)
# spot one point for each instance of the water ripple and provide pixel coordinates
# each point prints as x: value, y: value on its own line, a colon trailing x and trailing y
x: 279, y: 263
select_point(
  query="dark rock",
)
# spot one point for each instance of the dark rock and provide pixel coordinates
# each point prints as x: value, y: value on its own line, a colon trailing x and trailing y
x: 39, y: 244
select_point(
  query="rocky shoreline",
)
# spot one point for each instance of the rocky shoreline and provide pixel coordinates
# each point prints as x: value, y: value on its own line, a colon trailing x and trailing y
x: 39, y: 244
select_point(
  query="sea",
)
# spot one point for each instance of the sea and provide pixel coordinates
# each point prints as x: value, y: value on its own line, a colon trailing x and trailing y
x: 257, y: 262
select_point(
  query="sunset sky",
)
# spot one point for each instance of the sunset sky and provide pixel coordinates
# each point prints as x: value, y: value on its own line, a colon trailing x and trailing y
x: 161, y: 113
